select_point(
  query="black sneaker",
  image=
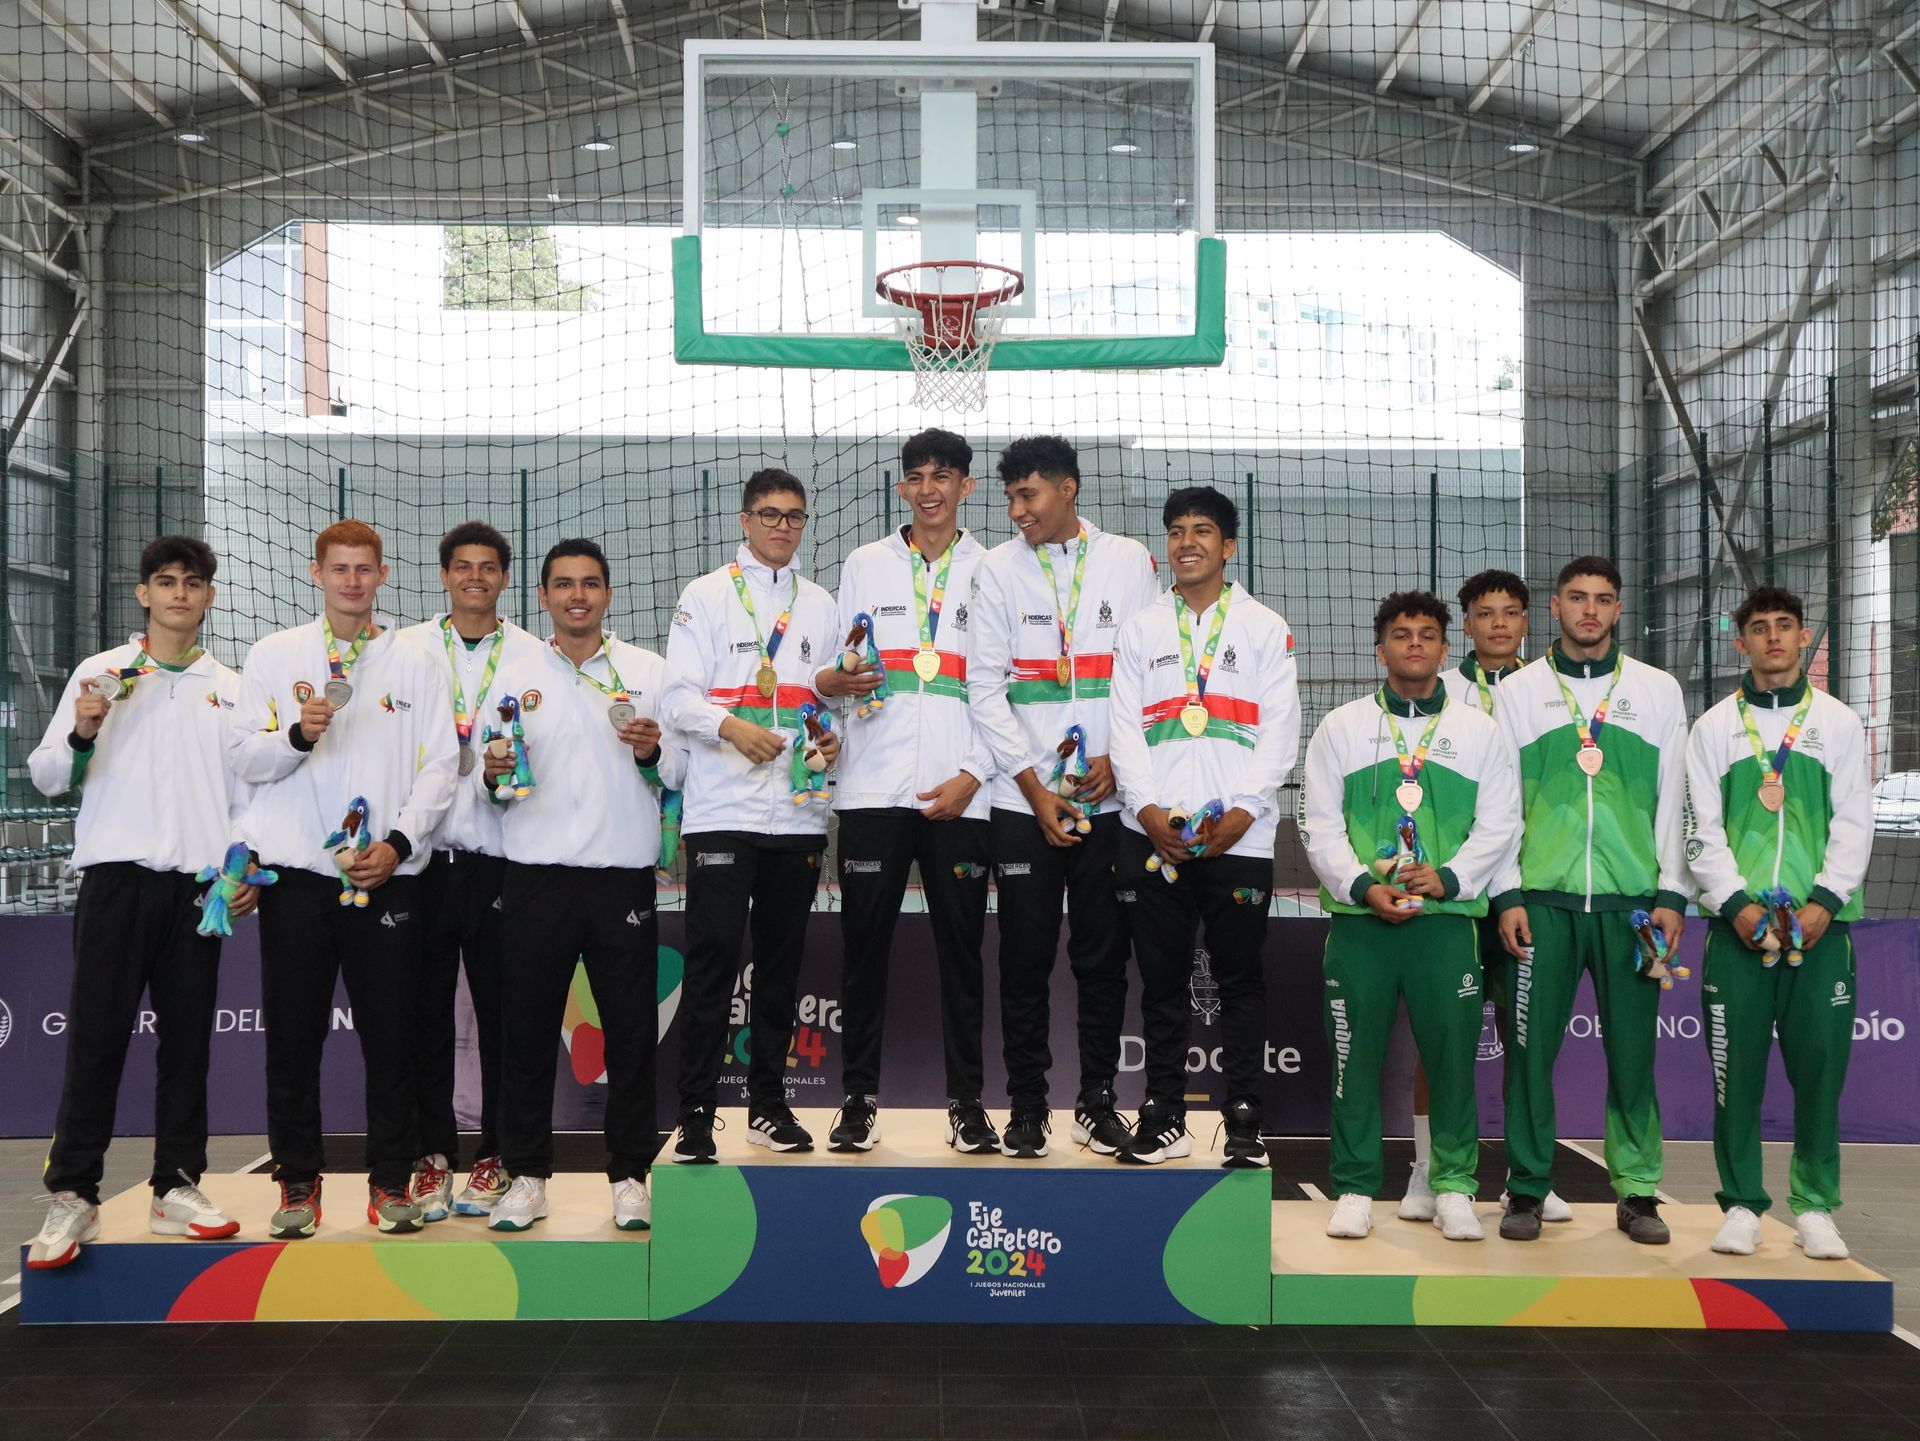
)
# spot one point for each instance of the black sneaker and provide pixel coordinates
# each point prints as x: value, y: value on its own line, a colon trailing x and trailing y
x: 1159, y: 1135
x: 858, y: 1125
x: 1097, y: 1126
x: 968, y: 1129
x: 1521, y: 1222
x: 1025, y: 1138
x: 772, y: 1124
x: 694, y: 1145
x: 1639, y: 1217
x: 1244, y: 1149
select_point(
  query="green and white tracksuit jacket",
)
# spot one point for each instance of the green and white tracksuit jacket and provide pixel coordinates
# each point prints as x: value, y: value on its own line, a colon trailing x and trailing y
x: 1612, y: 841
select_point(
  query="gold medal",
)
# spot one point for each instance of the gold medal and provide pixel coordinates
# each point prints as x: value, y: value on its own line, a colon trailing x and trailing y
x: 1063, y: 670
x: 1773, y: 795
x: 1590, y: 759
x: 1194, y: 718
x: 767, y: 679
x: 926, y: 664
x: 1408, y: 794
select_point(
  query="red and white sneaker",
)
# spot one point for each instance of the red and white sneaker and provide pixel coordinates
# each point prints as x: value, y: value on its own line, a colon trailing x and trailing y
x: 485, y: 1187
x: 72, y: 1220
x: 432, y: 1188
x: 185, y: 1211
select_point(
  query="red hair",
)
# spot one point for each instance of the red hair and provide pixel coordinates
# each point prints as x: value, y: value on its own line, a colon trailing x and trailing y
x: 349, y: 533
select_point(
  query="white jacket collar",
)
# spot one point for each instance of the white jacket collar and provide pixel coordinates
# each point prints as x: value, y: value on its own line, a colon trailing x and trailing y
x: 763, y: 575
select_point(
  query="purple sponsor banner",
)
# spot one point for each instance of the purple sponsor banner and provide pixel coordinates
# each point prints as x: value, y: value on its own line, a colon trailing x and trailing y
x: 35, y: 967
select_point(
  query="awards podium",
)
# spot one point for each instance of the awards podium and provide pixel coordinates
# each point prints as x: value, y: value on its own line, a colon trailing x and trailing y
x: 913, y: 1232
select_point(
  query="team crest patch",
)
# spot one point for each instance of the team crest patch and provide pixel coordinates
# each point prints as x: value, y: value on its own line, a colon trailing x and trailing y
x: 960, y: 617
x: 806, y: 649
x: 1106, y: 613
x: 303, y: 691
x: 530, y: 701
x: 1229, y: 659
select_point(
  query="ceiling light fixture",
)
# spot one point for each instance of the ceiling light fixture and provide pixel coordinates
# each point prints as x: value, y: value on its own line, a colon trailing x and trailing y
x: 597, y: 143
x: 843, y: 141
x: 1125, y: 145
x: 191, y: 136
x: 906, y: 220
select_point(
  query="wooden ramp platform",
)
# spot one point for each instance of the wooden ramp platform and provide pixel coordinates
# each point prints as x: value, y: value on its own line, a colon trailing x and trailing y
x: 1582, y: 1273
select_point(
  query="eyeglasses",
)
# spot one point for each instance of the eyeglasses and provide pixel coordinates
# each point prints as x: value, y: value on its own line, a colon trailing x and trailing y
x: 780, y: 519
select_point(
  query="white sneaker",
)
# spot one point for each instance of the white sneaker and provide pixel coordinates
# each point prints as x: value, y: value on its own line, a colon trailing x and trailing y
x: 524, y: 1203
x: 1739, y: 1232
x: 1555, y: 1210
x: 632, y: 1206
x: 71, y: 1222
x: 1453, y: 1214
x: 1352, y: 1217
x: 1417, y: 1204
x: 1815, y: 1234
x: 432, y: 1188
x: 185, y: 1211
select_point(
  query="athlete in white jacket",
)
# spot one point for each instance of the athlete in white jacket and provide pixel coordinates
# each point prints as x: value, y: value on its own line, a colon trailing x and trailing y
x: 581, y: 850
x: 460, y: 888
x: 1205, y: 707
x: 742, y: 653
x: 141, y: 731
x: 910, y: 786
x: 336, y: 713
x: 1047, y: 609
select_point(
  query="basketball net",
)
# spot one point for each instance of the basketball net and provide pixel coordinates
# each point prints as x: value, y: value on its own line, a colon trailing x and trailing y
x: 950, y: 344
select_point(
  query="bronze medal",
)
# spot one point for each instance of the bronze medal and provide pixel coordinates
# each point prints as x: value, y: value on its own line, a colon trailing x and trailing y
x: 1590, y: 759
x: 1408, y: 794
x: 1773, y: 795
x: 1194, y: 717
x: 1063, y: 671
x: 767, y: 679
x: 467, y: 762
x: 926, y: 663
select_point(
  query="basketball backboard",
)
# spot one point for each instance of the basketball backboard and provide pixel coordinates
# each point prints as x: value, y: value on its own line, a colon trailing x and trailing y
x: 812, y: 166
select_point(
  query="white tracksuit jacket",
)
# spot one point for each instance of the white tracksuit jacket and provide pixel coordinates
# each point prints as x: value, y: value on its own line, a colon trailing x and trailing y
x: 392, y: 743
x: 472, y: 823
x: 924, y: 734
x: 1018, y: 704
x: 1253, y: 706
x: 712, y: 654
x: 158, y: 787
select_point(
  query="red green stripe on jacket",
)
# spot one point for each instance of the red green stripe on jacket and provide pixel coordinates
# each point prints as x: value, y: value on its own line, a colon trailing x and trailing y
x: 1035, y: 680
x: 746, y: 702
x: 1229, y: 718
x: 951, y: 682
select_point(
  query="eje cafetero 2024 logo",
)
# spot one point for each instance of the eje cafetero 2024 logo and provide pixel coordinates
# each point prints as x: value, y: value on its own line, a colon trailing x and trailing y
x: 906, y: 1235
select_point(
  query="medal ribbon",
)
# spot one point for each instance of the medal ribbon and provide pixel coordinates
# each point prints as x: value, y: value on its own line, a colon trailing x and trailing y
x: 927, y: 611
x: 462, y: 717
x: 1775, y: 766
x: 1065, y: 623
x: 1410, y: 765
x: 1588, y: 732
x: 615, y: 692
x: 142, y: 665
x: 338, y: 668
x: 1197, y: 675
x: 769, y: 645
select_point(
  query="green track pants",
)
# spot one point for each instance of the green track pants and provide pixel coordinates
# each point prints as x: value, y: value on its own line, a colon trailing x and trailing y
x: 1434, y: 962
x: 1564, y: 944
x: 1812, y: 1006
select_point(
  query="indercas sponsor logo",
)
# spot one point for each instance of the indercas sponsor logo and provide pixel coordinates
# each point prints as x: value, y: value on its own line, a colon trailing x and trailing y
x: 852, y: 867
x: 1015, y: 868
x: 968, y: 871
x: 1249, y: 896
x: 905, y: 1235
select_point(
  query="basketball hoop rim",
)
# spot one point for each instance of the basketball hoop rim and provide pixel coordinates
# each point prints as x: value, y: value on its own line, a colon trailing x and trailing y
x: 922, y: 300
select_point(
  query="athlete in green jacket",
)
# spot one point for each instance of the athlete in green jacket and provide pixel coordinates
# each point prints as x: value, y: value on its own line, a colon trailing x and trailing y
x: 1778, y: 801
x: 1411, y: 803
x: 1601, y: 740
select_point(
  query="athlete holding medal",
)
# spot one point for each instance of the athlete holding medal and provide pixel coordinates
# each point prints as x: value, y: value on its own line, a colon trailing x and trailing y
x: 1205, y: 707
x: 579, y: 886
x: 1406, y: 759
x: 460, y: 888
x: 1778, y: 797
x: 912, y: 787
x: 1047, y: 608
x: 746, y: 643
x: 1601, y: 742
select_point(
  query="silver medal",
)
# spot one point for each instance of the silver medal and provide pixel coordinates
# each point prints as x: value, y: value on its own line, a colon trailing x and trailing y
x: 620, y: 713
x: 338, y: 693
